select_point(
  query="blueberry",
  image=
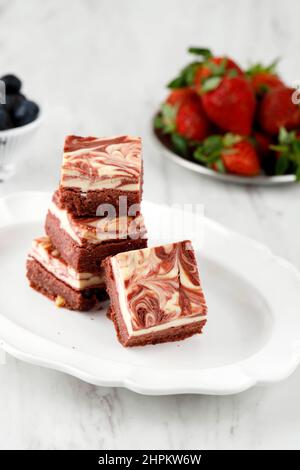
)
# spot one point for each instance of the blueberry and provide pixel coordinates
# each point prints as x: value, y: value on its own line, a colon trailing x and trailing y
x: 5, y: 121
x: 12, y: 83
x: 12, y: 100
x: 24, y: 112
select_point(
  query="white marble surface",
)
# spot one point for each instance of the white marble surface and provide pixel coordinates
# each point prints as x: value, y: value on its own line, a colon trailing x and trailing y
x: 99, y: 66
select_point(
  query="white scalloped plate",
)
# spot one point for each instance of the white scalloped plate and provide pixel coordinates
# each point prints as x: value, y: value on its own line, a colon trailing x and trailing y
x: 252, y: 335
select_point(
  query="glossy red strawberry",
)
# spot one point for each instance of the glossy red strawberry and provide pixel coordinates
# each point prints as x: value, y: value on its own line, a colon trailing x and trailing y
x: 212, y: 66
x: 182, y: 115
x: 179, y: 95
x: 265, y: 81
x: 191, y: 121
x: 228, y: 153
x: 231, y: 104
x: 278, y: 110
x: 241, y: 159
x: 264, y: 78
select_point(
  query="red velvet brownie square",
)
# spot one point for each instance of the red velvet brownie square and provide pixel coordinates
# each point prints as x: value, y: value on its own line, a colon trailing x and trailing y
x: 48, y: 273
x: 99, y: 171
x: 85, y: 242
x: 155, y: 294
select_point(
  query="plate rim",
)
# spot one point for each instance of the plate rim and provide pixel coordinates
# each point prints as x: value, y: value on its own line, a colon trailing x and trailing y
x: 260, y: 180
x: 237, y: 377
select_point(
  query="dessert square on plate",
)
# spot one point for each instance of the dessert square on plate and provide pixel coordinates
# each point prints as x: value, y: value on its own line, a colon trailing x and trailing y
x: 85, y: 242
x: 155, y: 294
x: 99, y: 171
x: 50, y: 275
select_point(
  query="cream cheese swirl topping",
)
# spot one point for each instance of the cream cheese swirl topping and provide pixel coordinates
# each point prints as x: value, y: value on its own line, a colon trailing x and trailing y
x: 91, y: 163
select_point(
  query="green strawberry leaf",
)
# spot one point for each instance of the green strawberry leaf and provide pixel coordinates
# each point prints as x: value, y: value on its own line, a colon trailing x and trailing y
x: 212, y: 158
x: 284, y: 137
x: 210, y: 150
x: 218, y: 70
x: 297, y: 173
x: 282, y: 164
x: 180, y: 144
x: 271, y: 68
x: 296, y: 148
x: 220, y: 166
x: 186, y: 76
x: 212, y: 144
x: 260, y: 68
x: 178, y: 82
x: 211, y: 84
x: 230, y: 139
x: 168, y: 116
x: 158, y: 122
x: 199, y: 155
x: 202, y: 51
x: 288, y: 151
x: 208, y: 159
x: 168, y: 111
x: 279, y: 148
x: 190, y: 72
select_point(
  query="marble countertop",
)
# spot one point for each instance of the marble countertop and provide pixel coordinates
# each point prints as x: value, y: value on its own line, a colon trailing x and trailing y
x: 98, y: 67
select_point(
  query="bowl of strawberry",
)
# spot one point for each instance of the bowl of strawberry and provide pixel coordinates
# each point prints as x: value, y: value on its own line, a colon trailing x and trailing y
x: 235, y: 124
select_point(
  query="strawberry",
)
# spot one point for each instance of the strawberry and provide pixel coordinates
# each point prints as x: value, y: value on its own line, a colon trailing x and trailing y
x: 264, y: 78
x: 230, y: 103
x: 287, y: 153
x: 187, y: 74
x: 263, y: 82
x: 183, y: 118
x: 183, y: 113
x: 278, y: 110
x: 214, y: 66
x: 191, y: 121
x: 178, y: 95
x: 206, y: 66
x: 229, y: 153
x: 241, y: 159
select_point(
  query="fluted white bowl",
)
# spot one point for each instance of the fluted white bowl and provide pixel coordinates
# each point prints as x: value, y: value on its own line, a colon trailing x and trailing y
x: 13, y: 143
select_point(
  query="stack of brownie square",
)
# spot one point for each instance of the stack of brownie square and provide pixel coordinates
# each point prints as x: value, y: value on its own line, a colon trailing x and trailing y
x: 94, y: 213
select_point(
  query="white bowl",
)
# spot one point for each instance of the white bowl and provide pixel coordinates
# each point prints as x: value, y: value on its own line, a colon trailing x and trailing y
x: 12, y: 143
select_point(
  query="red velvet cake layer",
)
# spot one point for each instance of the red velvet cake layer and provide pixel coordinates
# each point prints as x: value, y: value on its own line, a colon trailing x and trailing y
x: 83, y: 254
x: 65, y: 296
